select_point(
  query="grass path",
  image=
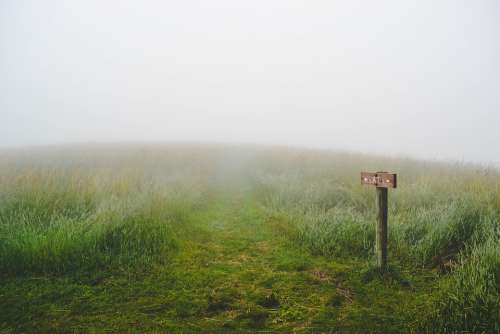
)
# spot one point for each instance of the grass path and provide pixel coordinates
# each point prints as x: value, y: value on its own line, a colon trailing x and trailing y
x: 233, y: 273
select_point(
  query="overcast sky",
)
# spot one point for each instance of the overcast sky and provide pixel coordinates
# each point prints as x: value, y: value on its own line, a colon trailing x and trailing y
x: 420, y: 78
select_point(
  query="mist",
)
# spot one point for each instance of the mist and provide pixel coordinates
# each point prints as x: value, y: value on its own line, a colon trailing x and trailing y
x: 419, y: 79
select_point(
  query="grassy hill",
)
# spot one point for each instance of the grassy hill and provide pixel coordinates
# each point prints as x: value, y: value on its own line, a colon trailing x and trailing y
x: 241, y: 239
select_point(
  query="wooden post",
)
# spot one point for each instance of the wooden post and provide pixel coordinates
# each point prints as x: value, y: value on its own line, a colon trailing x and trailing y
x: 381, y: 233
x: 383, y: 181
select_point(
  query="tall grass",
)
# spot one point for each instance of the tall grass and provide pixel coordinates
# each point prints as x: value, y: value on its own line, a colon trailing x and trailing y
x: 66, y: 210
x: 45, y: 228
x: 56, y: 217
x: 468, y: 300
x: 442, y: 217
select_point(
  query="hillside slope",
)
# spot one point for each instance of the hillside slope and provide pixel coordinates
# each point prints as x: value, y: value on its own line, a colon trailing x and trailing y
x: 211, y: 238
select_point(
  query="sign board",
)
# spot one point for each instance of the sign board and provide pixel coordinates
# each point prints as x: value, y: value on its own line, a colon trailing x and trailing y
x: 379, y: 179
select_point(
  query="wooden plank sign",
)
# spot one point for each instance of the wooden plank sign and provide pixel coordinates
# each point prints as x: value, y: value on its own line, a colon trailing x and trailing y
x: 379, y: 179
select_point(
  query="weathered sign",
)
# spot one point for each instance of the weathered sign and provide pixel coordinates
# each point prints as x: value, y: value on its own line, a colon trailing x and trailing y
x: 379, y: 179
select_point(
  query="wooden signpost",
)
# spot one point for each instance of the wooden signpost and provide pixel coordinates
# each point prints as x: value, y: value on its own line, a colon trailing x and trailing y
x: 383, y: 181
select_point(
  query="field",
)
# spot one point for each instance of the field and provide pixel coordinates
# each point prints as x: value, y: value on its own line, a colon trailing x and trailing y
x: 192, y: 238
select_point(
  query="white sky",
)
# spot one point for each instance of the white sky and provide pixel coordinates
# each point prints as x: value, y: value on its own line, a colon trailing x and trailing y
x: 420, y: 78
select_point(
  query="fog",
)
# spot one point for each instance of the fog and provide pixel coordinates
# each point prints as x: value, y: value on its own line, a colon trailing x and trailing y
x: 417, y: 78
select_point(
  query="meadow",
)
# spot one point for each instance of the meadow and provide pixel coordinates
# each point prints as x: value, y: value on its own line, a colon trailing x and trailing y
x: 188, y: 238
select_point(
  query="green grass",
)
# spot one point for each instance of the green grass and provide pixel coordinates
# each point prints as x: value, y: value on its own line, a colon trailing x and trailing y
x: 221, y: 239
